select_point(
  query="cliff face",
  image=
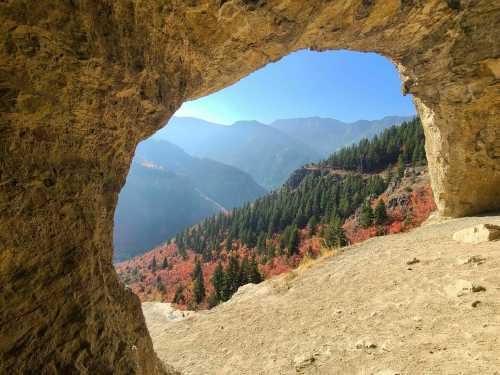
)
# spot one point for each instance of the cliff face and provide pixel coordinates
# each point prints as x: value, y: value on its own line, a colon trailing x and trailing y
x: 82, y: 82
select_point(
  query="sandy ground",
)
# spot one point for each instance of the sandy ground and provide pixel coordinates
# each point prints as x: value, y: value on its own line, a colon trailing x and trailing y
x: 158, y: 314
x: 366, y: 311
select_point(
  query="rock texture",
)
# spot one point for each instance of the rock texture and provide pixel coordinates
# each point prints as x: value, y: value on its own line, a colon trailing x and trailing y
x: 477, y: 234
x: 412, y: 303
x: 83, y: 81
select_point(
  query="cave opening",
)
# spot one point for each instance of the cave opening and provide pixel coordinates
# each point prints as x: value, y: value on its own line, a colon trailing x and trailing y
x: 300, y: 109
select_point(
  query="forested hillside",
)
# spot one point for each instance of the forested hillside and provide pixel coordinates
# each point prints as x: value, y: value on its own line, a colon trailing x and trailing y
x: 404, y: 143
x: 349, y: 197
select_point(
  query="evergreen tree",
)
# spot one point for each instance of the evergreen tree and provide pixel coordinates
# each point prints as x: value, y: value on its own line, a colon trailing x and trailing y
x: 293, y: 242
x: 244, y: 272
x: 218, y: 282
x: 213, y: 300
x: 334, y: 234
x: 300, y: 219
x: 159, y: 285
x: 380, y: 214
x: 231, y: 277
x: 229, y: 242
x: 312, y: 224
x: 366, y: 217
x: 254, y: 276
x: 198, y: 283
x: 179, y: 295
x: 261, y: 243
x: 153, y: 265
x: 164, y: 264
x: 271, y: 250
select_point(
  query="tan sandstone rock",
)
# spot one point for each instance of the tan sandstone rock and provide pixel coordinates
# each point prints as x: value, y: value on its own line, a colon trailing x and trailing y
x: 478, y: 233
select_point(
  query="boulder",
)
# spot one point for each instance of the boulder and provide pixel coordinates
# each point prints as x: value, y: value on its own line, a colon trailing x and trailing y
x: 478, y: 233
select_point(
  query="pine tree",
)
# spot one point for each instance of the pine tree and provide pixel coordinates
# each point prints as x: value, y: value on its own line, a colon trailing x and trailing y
x: 334, y: 234
x: 366, y: 217
x: 231, y: 277
x: 271, y: 251
x: 164, y: 264
x: 312, y: 224
x: 293, y: 242
x: 153, y: 265
x: 244, y: 272
x: 380, y: 214
x: 198, y: 283
x: 229, y: 242
x: 218, y: 282
x: 159, y: 285
x: 179, y: 295
x: 213, y: 300
x: 254, y: 277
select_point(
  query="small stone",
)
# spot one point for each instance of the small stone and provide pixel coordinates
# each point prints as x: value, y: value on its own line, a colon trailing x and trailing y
x: 303, y: 361
x: 365, y: 344
x: 478, y: 288
x: 475, y: 304
x: 413, y: 261
x: 473, y: 259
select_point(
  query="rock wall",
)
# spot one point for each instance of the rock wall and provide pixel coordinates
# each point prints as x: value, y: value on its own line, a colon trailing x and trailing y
x: 83, y: 81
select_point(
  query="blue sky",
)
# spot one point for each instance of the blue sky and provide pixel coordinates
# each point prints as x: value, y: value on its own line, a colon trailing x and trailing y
x: 344, y: 85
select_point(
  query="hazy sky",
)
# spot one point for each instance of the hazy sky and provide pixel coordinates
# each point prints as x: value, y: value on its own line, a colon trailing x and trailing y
x: 345, y: 85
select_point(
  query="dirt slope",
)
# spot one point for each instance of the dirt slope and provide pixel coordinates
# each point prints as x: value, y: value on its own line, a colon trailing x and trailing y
x: 365, y: 311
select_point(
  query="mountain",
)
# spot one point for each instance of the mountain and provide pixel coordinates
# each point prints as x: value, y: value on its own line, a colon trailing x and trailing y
x: 262, y: 151
x: 269, y: 153
x: 372, y: 188
x: 167, y: 190
x: 327, y: 135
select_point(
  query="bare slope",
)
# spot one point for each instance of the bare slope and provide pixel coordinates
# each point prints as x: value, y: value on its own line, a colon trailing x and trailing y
x: 366, y: 311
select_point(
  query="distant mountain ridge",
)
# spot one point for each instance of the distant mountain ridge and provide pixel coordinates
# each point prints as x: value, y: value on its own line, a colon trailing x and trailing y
x: 269, y: 153
x: 327, y: 135
x: 264, y: 152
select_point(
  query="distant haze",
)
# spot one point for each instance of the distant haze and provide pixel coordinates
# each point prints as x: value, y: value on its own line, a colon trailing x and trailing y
x: 269, y: 153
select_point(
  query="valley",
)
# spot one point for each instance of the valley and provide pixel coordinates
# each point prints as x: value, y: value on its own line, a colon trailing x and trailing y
x: 168, y: 190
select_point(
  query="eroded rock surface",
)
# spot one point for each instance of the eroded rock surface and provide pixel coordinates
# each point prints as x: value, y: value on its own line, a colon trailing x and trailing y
x: 83, y: 81
x: 477, y: 234
x: 361, y: 312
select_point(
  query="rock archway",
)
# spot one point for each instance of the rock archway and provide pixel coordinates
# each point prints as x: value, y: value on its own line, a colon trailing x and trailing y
x: 83, y: 81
